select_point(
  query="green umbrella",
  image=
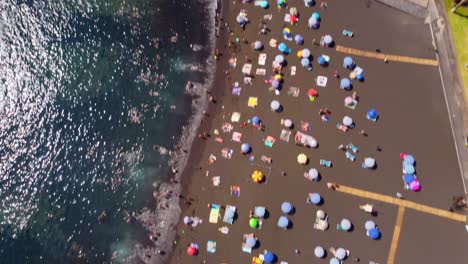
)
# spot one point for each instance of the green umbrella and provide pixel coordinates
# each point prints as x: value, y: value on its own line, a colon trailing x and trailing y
x: 253, y: 222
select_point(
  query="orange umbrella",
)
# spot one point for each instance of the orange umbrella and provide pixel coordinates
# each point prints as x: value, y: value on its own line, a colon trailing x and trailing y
x: 312, y: 92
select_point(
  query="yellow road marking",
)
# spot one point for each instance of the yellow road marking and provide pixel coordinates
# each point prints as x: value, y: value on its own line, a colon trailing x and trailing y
x: 390, y: 57
x: 396, y: 235
x: 400, y: 202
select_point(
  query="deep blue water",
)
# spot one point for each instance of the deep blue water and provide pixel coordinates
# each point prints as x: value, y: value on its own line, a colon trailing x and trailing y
x: 86, y: 89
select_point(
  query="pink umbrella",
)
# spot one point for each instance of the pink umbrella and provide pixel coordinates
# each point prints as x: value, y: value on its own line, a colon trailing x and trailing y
x: 415, y: 186
x: 348, y: 100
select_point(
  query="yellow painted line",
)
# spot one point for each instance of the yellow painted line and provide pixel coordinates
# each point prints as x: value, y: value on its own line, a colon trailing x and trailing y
x: 400, y: 202
x: 390, y: 57
x: 396, y: 235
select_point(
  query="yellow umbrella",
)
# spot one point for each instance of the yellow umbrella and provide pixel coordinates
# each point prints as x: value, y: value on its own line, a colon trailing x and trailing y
x: 257, y: 176
x: 302, y: 158
x: 278, y: 77
x: 299, y: 54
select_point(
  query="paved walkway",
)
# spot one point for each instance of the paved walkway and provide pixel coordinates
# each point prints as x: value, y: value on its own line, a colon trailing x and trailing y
x: 396, y: 235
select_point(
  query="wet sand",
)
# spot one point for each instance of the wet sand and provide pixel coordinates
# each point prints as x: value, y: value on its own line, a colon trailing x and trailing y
x: 413, y: 119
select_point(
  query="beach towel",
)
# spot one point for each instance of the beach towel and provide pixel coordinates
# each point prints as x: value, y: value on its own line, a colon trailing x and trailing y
x: 235, y: 117
x: 214, y: 214
x: 293, y: 70
x: 211, y: 246
x: 224, y: 230
x: 236, y: 136
x: 236, y: 91
x: 216, y: 180
x: 247, y: 69
x: 321, y: 81
x: 233, y: 62
x: 248, y: 80
x: 262, y: 59
x: 227, y: 153
x: 260, y: 72
x: 285, y: 134
x: 235, y: 190
x: 253, y: 102
x: 293, y: 91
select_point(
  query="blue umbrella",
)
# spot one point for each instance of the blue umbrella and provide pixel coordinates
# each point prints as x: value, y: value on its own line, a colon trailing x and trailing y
x: 408, y: 168
x: 279, y: 58
x: 315, y: 198
x: 286, y: 33
x: 264, y: 4
x: 251, y: 242
x: 269, y: 257
x: 240, y: 19
x: 312, y: 21
x: 283, y: 222
x: 408, y: 178
x: 299, y: 39
x: 345, y: 83
x: 334, y: 261
x: 321, y: 60
x: 316, y: 15
x: 372, y: 114
x: 286, y: 207
x: 360, y: 77
x: 275, y: 84
x: 408, y: 159
x: 245, y: 148
x: 256, y: 120
x: 348, y: 62
x: 373, y: 233
x: 305, y: 62
x: 260, y: 211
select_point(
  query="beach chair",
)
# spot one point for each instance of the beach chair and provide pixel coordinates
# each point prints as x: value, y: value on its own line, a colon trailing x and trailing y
x: 285, y: 134
x: 216, y: 180
x: 227, y: 153
x: 211, y: 246
x: 232, y: 210
x: 235, y: 190
x: 342, y: 127
x: 352, y: 148
x: 266, y: 159
x: 247, y: 69
x: 260, y: 72
x: 246, y: 248
x: 293, y: 70
x: 325, y: 163
x: 214, y: 214
x: 350, y: 156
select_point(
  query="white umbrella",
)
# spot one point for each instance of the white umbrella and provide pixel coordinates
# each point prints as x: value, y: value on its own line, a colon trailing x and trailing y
x: 320, y: 214
x: 288, y: 123
x: 347, y: 121
x: 313, y: 143
x: 319, y: 252
x: 340, y: 253
x: 258, y: 45
x: 327, y: 39
x: 305, y: 53
x: 313, y: 173
x: 369, y: 225
x: 275, y: 105
x: 345, y: 224
x: 370, y: 162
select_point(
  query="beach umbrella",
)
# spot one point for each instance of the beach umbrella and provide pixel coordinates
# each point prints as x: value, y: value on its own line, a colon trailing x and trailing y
x: 286, y: 207
x: 279, y: 59
x: 281, y: 2
x: 327, y: 39
x: 251, y: 242
x: 369, y: 225
x: 257, y: 176
x: 312, y: 92
x: 293, y: 19
x: 408, y: 159
x: 275, y: 105
x: 305, y: 53
x: 348, y: 100
x: 408, y: 178
x: 191, y: 250
x: 415, y: 186
x: 334, y: 261
x: 340, y: 253
x: 316, y: 15
x: 299, y: 39
x: 348, y: 62
x: 313, y: 143
x: 372, y: 114
x: 187, y: 220
x: 352, y: 75
x: 283, y: 222
x: 313, y: 173
x: 256, y: 120
x: 321, y: 60
x: 302, y: 158
x: 258, y: 45
x: 315, y: 198
x: 264, y: 4
x: 360, y: 77
x: 347, y: 121
x: 313, y: 22
x: 277, y: 77
x: 373, y: 233
x: 319, y: 252
x: 369, y: 162
x: 299, y: 54
x: 245, y: 148
x: 286, y: 32
x: 240, y: 19
x: 288, y: 123
x: 305, y: 62
x: 253, y: 222
x: 275, y: 84
x: 345, y: 224
x: 269, y: 257
x: 283, y: 48
x: 408, y: 168
x: 293, y: 11
x: 229, y: 214
x: 345, y: 83
x: 260, y: 211
x: 320, y: 214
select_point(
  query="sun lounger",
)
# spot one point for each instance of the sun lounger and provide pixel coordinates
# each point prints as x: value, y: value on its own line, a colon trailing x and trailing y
x: 350, y: 156
x: 352, y: 147
x: 342, y: 127
x: 246, y: 248
x: 265, y: 159
x: 211, y: 246
x: 293, y: 91
x: 285, y: 134
x: 247, y: 69
x: 214, y: 214
x: 236, y: 91
x: 325, y: 163
x: 293, y: 70
x: 235, y: 190
x: 232, y: 210
x: 260, y: 72
x: 216, y: 180
x: 227, y: 153
x: 262, y: 59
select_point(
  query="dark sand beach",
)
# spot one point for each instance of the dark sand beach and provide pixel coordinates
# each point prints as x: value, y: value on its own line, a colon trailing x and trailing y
x: 412, y: 119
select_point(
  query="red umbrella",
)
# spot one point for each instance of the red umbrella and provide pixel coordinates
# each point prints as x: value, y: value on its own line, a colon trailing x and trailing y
x: 191, y: 251
x: 293, y: 19
x: 312, y: 92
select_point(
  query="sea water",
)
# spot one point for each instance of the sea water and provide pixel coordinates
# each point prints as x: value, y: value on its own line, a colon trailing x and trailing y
x: 93, y: 102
